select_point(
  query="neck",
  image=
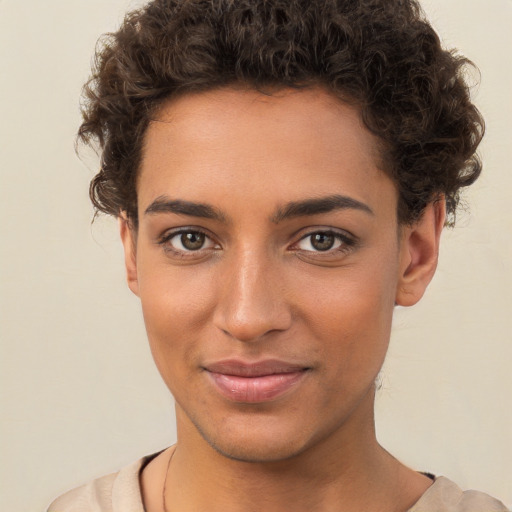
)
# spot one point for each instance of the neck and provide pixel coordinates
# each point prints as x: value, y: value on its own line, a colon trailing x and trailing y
x: 309, y: 481
x: 346, y: 471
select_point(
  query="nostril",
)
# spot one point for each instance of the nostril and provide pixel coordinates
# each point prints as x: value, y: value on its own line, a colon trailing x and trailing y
x: 251, y: 302
x: 249, y: 326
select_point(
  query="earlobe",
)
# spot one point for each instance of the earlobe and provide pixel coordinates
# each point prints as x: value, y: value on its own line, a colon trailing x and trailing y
x: 419, y: 252
x: 128, y: 237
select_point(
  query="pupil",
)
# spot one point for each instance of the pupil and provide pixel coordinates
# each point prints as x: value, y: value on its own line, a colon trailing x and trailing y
x: 322, y: 242
x: 192, y: 241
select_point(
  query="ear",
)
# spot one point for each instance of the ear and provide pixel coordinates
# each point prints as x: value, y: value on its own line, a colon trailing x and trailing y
x: 129, y: 239
x: 419, y: 252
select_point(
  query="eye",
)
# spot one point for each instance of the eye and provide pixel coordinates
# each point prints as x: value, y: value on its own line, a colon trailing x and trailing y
x: 186, y: 241
x: 190, y: 241
x: 319, y: 242
x: 324, y: 241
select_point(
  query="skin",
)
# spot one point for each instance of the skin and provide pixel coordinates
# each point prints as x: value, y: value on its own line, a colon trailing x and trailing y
x: 260, y: 289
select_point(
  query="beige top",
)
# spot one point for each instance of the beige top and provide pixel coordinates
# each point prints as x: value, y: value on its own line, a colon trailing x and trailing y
x: 120, y: 492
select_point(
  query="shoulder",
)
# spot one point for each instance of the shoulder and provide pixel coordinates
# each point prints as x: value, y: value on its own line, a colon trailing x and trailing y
x: 96, y: 496
x: 446, y: 496
x: 116, y: 492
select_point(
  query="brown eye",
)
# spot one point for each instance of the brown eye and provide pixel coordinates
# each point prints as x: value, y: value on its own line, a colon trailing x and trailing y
x: 187, y: 241
x: 193, y: 240
x: 322, y: 241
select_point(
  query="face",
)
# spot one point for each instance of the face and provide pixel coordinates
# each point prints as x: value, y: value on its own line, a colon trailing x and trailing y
x: 268, y: 261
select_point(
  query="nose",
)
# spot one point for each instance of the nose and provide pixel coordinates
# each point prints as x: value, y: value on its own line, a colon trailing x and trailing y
x: 252, y: 298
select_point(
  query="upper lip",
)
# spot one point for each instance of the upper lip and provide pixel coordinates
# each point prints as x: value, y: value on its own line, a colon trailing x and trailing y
x: 254, y: 369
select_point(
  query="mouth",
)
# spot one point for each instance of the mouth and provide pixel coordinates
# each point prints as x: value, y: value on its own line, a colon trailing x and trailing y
x: 258, y: 382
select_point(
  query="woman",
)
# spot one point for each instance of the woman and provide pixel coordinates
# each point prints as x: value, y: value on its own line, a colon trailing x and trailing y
x: 281, y: 172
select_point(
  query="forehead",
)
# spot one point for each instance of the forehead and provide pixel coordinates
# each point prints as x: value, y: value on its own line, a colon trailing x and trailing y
x: 286, y: 145
x: 307, y: 114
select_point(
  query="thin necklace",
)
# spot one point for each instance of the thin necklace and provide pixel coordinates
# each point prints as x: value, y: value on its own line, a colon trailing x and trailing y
x: 165, y: 481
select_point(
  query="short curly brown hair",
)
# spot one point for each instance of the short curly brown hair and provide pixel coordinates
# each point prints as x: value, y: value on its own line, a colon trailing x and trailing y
x: 380, y: 55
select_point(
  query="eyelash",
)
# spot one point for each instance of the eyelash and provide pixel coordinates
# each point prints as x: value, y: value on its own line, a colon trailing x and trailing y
x: 347, y: 242
x: 169, y: 235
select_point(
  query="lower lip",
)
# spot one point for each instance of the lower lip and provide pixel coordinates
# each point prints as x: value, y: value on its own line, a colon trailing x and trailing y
x: 255, y: 389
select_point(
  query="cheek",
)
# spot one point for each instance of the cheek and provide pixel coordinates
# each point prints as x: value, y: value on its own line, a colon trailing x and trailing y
x: 177, y: 306
x: 351, y: 314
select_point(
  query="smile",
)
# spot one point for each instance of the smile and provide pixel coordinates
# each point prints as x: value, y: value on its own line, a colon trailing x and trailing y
x: 254, y: 383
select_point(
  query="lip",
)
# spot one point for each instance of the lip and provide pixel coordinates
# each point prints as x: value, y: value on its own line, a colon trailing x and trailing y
x: 257, y: 382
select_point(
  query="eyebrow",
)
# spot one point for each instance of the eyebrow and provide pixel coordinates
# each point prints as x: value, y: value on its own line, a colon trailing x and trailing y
x: 303, y: 208
x: 163, y: 204
x: 316, y: 206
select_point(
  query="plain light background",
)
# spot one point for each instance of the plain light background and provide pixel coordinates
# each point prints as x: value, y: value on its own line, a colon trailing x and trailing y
x: 79, y: 394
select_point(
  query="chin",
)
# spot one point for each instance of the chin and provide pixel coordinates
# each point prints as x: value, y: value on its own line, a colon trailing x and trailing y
x: 257, y: 441
x: 256, y: 451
